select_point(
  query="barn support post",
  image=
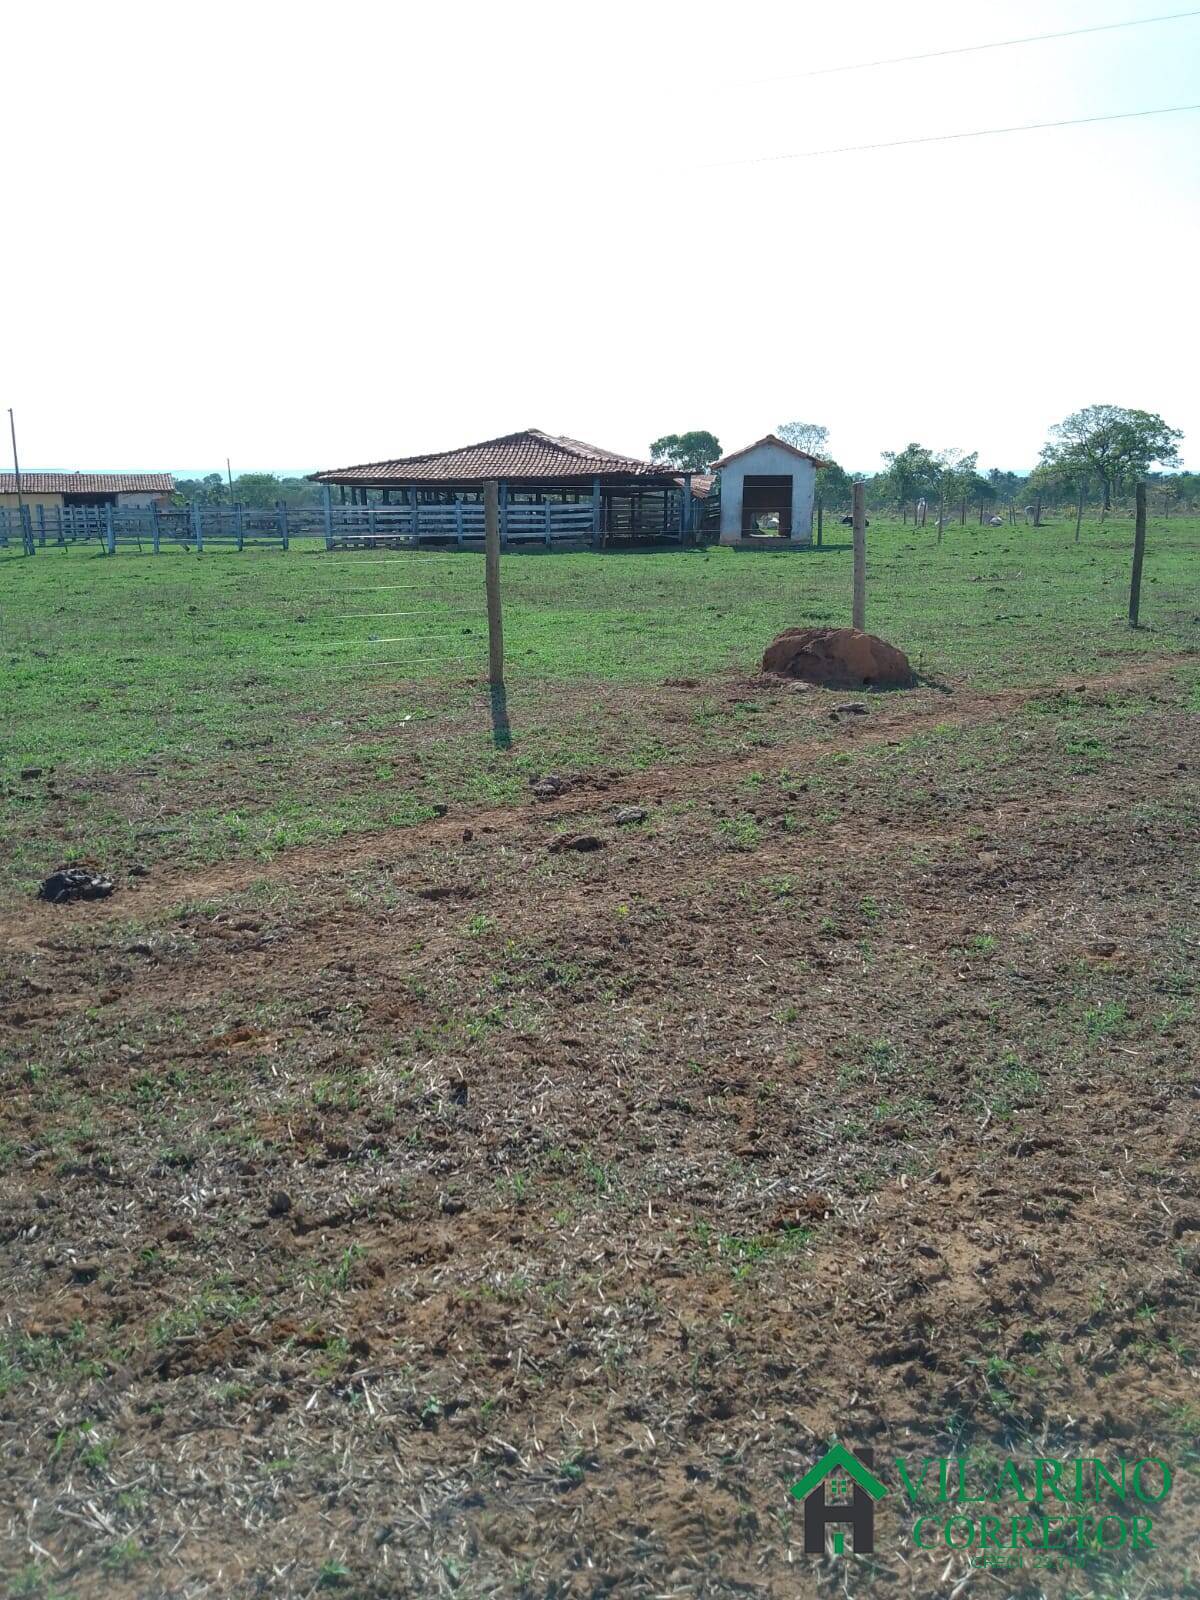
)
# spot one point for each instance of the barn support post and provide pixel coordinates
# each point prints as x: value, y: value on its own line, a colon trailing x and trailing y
x: 597, y: 536
x: 502, y: 511
x: 1139, y: 553
x: 327, y: 509
x: 859, y: 614
x: 687, y: 509
x: 491, y: 574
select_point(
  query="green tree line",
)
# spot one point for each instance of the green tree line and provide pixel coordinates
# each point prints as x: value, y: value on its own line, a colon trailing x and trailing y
x: 256, y: 490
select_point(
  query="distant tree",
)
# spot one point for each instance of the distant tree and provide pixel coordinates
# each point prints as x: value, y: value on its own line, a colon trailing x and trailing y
x: 912, y: 473
x: 809, y: 436
x: 1005, y: 485
x: 1112, y: 443
x: 1056, y: 482
x: 956, y: 474
x: 209, y: 490
x: 833, y: 485
x: 258, y: 490
x: 687, y: 452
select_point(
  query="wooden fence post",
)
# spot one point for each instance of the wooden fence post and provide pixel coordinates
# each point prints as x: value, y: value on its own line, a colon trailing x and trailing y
x: 597, y: 535
x: 198, y: 526
x: 155, y: 531
x: 1139, y: 552
x: 941, y: 514
x: 859, y: 617
x: 1079, y: 511
x: 281, y: 517
x: 327, y: 507
x: 110, y: 533
x: 491, y: 564
x: 820, y: 522
x: 41, y: 511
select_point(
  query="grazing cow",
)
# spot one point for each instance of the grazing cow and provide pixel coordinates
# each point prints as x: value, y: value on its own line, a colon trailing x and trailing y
x: 995, y: 522
x: 848, y: 522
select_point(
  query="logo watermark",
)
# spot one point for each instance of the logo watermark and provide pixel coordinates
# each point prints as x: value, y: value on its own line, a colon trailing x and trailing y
x: 1037, y: 1512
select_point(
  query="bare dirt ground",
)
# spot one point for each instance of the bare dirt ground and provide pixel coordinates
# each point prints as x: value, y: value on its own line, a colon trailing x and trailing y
x: 452, y: 1211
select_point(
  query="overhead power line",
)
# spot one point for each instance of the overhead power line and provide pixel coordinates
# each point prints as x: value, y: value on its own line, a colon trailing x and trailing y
x: 970, y: 49
x: 943, y: 138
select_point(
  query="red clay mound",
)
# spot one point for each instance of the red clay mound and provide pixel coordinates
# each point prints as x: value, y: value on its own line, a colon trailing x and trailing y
x: 838, y: 658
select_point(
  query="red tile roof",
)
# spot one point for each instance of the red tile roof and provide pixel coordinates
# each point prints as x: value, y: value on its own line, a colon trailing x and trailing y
x: 702, y: 483
x: 88, y: 483
x: 768, y: 438
x: 528, y: 454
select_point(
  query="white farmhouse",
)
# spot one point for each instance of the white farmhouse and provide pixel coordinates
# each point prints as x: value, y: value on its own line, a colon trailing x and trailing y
x: 767, y: 493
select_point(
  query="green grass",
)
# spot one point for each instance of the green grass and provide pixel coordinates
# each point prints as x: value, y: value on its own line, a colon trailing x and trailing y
x: 202, y: 707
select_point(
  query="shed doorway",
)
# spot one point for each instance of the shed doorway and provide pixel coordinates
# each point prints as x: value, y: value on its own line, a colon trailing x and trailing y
x: 767, y: 505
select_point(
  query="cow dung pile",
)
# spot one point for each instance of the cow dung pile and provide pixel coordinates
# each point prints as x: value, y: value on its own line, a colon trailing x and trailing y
x: 838, y: 658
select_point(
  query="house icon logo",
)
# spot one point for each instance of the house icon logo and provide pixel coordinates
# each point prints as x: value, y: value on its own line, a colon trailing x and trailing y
x: 849, y: 1477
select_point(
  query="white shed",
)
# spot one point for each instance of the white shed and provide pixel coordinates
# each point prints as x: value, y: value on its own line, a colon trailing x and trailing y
x: 767, y: 491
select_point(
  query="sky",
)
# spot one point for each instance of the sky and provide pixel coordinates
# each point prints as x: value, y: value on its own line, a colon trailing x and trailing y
x: 303, y: 236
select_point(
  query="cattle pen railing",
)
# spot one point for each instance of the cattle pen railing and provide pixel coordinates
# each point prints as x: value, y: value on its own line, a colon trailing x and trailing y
x: 199, y: 527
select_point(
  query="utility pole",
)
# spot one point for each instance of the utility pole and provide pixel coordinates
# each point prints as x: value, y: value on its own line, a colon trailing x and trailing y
x: 12, y: 428
x: 26, y: 533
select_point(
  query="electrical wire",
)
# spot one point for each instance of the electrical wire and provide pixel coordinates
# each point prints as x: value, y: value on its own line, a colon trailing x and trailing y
x: 970, y: 49
x: 942, y: 138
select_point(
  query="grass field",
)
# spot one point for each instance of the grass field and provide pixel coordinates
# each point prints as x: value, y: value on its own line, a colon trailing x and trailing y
x: 195, y: 708
x: 396, y: 1202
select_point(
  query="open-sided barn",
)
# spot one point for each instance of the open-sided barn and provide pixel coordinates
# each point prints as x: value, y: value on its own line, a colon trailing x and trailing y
x: 551, y: 488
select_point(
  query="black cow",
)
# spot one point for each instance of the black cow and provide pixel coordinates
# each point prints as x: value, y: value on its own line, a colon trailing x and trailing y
x: 848, y: 522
